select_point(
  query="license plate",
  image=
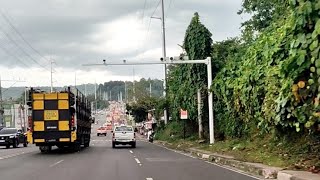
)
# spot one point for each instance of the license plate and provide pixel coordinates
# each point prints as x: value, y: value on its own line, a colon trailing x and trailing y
x: 51, y: 115
x: 2, y: 141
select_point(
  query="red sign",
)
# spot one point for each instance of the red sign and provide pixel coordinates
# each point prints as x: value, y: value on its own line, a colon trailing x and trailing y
x: 183, y: 114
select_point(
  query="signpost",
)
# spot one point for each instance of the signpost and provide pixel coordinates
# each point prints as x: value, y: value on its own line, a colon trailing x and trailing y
x: 184, y: 116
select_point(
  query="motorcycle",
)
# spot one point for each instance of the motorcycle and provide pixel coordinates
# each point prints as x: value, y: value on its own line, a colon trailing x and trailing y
x: 151, y: 137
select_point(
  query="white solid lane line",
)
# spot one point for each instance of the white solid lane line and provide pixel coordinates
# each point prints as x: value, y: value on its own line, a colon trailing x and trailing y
x: 131, y: 152
x: 56, y: 163
x: 149, y: 179
x: 137, y: 160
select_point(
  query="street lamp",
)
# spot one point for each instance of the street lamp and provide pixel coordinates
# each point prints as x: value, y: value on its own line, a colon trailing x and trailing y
x: 179, y: 60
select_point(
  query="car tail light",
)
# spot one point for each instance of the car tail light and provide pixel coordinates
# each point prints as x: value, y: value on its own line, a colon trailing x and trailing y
x: 72, y: 121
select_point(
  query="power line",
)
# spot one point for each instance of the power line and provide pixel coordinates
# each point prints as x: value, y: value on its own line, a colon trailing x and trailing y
x: 13, y: 55
x: 151, y: 17
x: 144, y: 9
x: 156, y: 8
x: 169, y: 8
x: 8, y: 36
x: 16, y: 30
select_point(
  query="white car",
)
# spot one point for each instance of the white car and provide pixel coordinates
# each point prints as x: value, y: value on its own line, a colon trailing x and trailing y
x: 123, y: 135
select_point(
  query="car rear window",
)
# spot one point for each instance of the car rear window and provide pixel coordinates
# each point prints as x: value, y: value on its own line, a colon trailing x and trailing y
x: 8, y: 131
x: 123, y: 128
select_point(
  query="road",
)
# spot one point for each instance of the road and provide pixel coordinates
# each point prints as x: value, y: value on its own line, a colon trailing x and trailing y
x: 99, y: 161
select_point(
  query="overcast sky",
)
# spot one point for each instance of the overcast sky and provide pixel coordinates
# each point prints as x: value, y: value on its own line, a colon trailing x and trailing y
x: 76, y: 32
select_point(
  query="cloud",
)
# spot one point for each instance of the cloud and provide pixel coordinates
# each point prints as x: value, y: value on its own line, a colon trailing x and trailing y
x: 76, y: 32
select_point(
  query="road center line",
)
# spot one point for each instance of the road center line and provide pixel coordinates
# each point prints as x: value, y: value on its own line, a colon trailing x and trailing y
x: 137, y: 160
x: 56, y: 163
x: 131, y: 152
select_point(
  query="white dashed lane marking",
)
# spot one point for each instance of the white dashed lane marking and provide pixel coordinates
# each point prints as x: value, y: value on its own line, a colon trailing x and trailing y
x: 56, y: 163
x: 137, y: 160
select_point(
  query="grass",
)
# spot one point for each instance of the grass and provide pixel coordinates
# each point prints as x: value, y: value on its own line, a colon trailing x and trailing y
x: 289, y: 154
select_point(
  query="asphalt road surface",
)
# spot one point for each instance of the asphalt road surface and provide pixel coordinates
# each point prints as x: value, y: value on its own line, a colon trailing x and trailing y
x: 100, y: 161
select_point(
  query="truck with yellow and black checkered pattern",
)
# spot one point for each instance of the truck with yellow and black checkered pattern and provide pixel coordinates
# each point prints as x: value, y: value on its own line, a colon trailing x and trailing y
x: 61, y: 119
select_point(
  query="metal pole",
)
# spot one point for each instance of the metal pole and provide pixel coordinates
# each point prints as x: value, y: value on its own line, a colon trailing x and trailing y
x: 199, y: 114
x: 1, y: 106
x: 51, y: 88
x: 85, y: 90
x: 164, y: 55
x: 150, y: 90
x: 95, y: 96
x: 134, y: 89
x: 25, y: 109
x: 125, y: 91
x: 210, y: 100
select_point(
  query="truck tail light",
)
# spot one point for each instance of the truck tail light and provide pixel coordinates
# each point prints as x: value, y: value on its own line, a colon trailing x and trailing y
x: 72, y: 121
x: 30, y: 123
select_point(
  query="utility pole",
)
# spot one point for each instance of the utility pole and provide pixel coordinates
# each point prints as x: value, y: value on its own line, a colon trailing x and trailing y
x: 85, y: 90
x: 125, y: 91
x: 164, y: 55
x: 51, y: 72
x: 95, y: 95
x: 1, y: 105
x: 134, y: 89
x: 150, y: 90
x: 25, y: 119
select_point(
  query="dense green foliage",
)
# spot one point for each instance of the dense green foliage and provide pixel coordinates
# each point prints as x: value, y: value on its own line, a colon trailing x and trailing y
x: 273, y: 83
x: 139, y: 89
x: 184, y: 80
x: 139, y: 109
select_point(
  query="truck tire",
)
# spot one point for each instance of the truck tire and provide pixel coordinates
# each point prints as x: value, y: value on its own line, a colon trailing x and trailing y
x: 45, y: 149
x: 98, y: 134
x: 87, y: 144
x: 77, y: 147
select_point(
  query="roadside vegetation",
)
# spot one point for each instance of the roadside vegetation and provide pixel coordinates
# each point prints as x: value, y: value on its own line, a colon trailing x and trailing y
x: 266, y: 86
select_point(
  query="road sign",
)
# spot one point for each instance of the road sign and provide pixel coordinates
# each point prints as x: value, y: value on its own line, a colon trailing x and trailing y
x: 183, y: 114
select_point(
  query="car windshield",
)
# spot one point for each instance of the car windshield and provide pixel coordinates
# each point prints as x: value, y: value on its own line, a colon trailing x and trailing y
x: 123, y: 128
x: 8, y: 131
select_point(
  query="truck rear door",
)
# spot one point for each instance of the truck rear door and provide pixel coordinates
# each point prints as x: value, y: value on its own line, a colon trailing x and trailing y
x: 51, y: 117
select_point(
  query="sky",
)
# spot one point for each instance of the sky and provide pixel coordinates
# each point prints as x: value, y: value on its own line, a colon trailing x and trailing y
x: 66, y: 34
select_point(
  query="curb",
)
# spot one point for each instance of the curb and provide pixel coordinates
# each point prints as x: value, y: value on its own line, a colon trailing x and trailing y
x: 257, y: 169
x: 252, y: 168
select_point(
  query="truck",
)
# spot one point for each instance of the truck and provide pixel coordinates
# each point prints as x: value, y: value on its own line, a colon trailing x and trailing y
x: 61, y: 119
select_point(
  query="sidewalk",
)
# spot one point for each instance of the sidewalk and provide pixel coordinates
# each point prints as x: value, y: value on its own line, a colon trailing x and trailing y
x: 258, y: 169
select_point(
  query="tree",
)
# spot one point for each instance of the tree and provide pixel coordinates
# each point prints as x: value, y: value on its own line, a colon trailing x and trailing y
x: 139, y: 110
x: 184, y: 80
x: 263, y: 13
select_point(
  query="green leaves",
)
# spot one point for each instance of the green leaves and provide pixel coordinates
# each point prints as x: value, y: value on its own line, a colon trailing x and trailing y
x: 282, y: 55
